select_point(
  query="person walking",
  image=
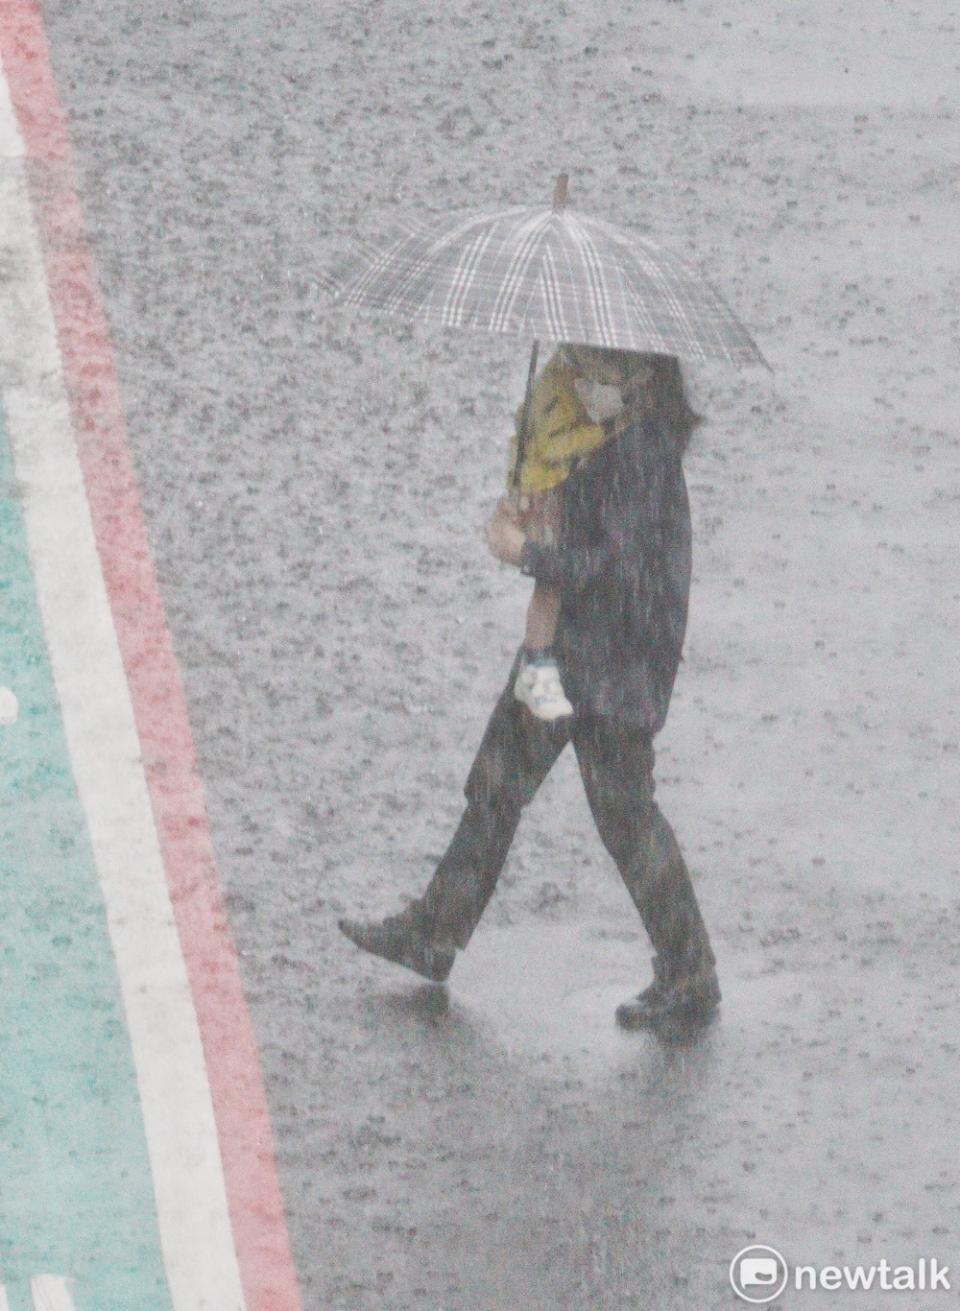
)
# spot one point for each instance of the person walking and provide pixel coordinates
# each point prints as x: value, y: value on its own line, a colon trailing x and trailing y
x: 621, y: 565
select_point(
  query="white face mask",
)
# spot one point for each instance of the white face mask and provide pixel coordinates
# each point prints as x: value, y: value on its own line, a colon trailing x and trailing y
x: 600, y: 400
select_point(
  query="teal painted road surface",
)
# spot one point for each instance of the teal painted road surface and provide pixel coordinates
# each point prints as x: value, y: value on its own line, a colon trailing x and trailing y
x: 76, y: 1198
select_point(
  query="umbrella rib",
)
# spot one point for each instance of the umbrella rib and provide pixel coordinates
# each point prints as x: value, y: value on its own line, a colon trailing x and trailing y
x: 653, y: 270
x: 594, y: 271
x: 409, y: 232
x: 735, y: 324
x: 573, y: 331
x: 552, y: 305
x: 655, y: 335
x: 424, y: 246
x: 711, y: 323
x: 516, y: 269
x: 451, y: 311
x: 420, y: 260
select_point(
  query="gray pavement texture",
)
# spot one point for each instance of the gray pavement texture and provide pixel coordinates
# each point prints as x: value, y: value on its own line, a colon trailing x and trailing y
x: 315, y: 488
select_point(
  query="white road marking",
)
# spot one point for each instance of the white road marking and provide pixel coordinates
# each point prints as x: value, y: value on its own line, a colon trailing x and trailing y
x: 181, y: 1132
x: 11, y: 146
x: 9, y: 706
x: 51, y: 1293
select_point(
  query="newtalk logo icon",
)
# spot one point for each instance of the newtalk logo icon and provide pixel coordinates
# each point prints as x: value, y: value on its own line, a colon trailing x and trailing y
x: 760, y: 1274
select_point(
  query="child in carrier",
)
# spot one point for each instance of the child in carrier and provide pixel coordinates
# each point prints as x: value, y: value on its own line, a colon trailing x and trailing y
x: 574, y: 398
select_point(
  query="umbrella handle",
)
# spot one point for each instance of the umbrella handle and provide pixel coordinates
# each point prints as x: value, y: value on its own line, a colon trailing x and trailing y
x: 523, y: 434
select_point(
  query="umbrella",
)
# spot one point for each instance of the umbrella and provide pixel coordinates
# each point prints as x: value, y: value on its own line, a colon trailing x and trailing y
x: 546, y: 272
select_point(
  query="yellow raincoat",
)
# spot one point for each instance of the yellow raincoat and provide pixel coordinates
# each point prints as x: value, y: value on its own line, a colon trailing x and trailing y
x: 561, y: 431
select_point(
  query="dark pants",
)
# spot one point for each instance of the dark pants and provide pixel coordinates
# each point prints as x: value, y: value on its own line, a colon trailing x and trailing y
x: 616, y: 764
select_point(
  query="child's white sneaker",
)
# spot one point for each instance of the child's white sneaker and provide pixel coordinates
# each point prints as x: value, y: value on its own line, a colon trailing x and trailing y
x: 538, y: 686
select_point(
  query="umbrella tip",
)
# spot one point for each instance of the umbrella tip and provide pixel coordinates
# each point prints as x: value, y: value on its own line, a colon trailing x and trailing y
x: 560, y: 191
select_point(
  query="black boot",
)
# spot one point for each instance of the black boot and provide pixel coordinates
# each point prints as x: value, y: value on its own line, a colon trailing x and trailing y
x: 690, y: 996
x: 399, y: 939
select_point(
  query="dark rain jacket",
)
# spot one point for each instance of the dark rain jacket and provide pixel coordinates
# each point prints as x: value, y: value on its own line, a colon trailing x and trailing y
x: 622, y: 564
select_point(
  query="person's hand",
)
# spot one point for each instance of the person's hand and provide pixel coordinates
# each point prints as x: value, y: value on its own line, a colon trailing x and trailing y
x: 510, y: 508
x: 505, y: 537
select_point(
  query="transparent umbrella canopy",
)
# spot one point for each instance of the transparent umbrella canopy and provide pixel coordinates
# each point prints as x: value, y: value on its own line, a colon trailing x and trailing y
x: 545, y: 272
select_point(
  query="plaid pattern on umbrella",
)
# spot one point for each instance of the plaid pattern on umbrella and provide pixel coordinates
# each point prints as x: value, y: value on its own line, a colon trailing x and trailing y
x: 546, y: 272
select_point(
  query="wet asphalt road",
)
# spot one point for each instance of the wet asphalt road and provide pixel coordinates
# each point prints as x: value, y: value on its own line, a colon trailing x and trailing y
x: 314, y: 491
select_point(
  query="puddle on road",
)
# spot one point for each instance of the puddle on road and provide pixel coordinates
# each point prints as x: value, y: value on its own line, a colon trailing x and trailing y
x: 549, y: 992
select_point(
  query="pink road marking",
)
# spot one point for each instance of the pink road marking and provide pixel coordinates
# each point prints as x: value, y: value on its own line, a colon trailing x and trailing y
x: 176, y: 792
